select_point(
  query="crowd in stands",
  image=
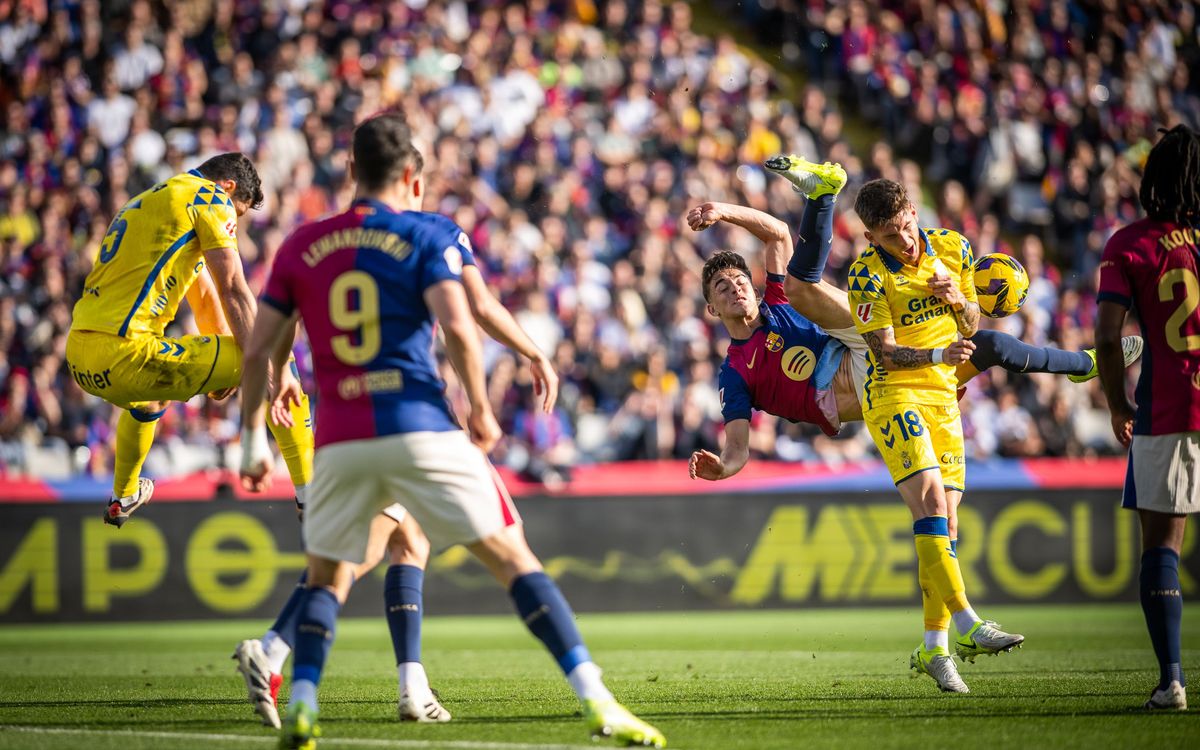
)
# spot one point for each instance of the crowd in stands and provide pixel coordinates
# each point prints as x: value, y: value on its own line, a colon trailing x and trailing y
x: 568, y: 139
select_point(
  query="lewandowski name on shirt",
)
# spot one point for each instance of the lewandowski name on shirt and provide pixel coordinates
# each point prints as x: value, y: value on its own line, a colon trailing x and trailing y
x: 355, y: 238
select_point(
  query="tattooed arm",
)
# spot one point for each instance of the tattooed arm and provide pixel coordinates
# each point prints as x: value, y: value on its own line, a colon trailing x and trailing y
x: 892, y: 356
x: 966, y: 314
x: 968, y: 319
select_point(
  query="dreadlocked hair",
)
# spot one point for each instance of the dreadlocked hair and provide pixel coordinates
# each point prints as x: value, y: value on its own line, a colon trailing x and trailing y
x: 719, y: 262
x: 1171, y: 183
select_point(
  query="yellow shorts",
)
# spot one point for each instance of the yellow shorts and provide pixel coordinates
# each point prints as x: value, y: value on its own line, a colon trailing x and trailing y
x: 133, y: 372
x: 917, y: 437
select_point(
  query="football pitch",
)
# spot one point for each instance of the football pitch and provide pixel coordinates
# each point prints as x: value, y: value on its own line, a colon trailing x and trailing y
x: 765, y: 679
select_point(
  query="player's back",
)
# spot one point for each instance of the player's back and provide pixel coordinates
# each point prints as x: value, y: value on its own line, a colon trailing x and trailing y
x: 151, y: 254
x: 358, y: 280
x: 1152, y: 266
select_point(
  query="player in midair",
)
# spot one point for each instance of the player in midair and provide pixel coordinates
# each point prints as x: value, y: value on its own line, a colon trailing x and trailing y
x: 805, y: 361
x: 368, y: 284
x: 824, y: 385
x: 1151, y: 265
x: 162, y: 246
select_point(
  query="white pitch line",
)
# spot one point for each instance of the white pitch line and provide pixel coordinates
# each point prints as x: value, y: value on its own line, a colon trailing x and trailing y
x: 243, y: 738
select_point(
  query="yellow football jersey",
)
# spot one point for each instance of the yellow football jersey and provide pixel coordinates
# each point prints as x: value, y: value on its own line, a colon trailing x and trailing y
x: 885, y: 293
x: 152, y: 253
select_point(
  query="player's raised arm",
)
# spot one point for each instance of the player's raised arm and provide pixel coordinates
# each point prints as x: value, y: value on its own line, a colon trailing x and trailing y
x: 500, y: 325
x: 773, y: 233
x: 956, y: 294
x: 707, y: 465
x: 448, y: 301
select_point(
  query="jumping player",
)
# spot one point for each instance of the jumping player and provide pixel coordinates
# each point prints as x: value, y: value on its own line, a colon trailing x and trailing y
x: 781, y: 362
x: 804, y: 329
x: 368, y: 284
x: 161, y: 247
x: 1151, y: 265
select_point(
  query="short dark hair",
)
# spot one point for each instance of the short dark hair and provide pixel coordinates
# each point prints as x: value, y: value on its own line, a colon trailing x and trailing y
x: 383, y: 148
x: 880, y: 201
x: 1170, y: 188
x: 239, y: 168
x: 722, y: 261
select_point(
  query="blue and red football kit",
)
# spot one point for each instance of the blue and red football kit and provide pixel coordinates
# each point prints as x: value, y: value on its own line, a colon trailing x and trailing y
x: 783, y: 367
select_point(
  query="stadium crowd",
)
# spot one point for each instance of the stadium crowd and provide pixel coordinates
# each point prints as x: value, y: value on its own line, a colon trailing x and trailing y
x: 568, y: 139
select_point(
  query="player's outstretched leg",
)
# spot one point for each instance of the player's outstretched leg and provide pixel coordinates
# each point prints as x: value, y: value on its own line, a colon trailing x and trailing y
x: 1131, y: 349
x: 546, y: 613
x: 135, y: 435
x: 808, y: 178
x: 820, y: 302
x: 997, y: 349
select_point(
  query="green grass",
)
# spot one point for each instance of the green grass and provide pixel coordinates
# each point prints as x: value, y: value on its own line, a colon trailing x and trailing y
x: 774, y: 679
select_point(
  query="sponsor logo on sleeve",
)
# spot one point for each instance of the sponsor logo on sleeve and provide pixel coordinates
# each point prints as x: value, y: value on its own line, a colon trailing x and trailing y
x: 454, y: 260
x: 863, y: 311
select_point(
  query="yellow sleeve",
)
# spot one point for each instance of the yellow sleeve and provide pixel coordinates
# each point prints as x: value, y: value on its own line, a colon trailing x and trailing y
x: 216, y: 225
x: 868, y: 301
x: 966, y: 277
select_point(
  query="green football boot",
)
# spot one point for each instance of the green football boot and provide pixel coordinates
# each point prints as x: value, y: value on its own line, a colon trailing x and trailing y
x: 607, y: 718
x: 808, y: 178
x: 938, y: 664
x: 1131, y: 349
x: 300, y: 730
x: 986, y: 638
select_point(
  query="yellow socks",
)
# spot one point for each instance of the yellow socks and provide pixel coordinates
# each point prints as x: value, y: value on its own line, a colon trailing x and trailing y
x: 937, y: 562
x: 296, y: 443
x: 937, y: 616
x: 135, y: 435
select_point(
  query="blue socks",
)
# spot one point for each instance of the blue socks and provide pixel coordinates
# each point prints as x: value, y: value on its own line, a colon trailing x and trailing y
x: 813, y: 246
x: 402, y: 597
x: 994, y: 348
x: 1162, y: 603
x: 314, y: 637
x: 549, y: 617
x: 285, y: 623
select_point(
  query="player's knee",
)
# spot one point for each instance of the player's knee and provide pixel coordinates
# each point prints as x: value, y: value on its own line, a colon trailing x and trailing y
x: 150, y: 411
x: 408, y: 548
x: 798, y: 291
x: 987, y: 349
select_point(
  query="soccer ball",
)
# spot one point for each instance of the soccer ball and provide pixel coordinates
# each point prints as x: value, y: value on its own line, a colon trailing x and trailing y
x: 1001, y: 285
